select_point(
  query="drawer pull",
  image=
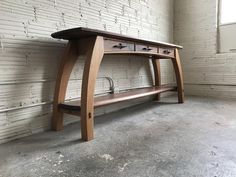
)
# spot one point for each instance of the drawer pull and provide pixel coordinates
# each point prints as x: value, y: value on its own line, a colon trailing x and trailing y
x: 147, y: 49
x: 119, y: 46
x: 167, y: 52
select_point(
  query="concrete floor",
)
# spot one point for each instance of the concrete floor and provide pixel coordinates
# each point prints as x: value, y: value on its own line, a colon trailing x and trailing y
x: 195, y: 139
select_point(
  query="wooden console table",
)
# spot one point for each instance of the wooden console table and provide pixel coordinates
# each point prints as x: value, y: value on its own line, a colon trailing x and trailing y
x: 95, y: 44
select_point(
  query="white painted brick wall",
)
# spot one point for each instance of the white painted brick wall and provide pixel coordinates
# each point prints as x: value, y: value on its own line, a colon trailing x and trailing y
x: 205, y: 72
x: 29, y: 57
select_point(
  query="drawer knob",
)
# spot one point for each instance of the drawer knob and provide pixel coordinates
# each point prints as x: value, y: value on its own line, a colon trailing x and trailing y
x: 119, y: 46
x: 167, y: 51
x: 147, y: 49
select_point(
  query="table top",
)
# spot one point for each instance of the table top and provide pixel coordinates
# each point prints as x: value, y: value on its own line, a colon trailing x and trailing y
x: 81, y: 32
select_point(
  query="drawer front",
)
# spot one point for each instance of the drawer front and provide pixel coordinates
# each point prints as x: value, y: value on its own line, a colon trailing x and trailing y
x: 145, y: 48
x: 111, y: 45
x: 167, y: 52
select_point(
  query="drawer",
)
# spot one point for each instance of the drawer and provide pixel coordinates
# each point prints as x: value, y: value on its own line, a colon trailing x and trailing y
x: 167, y: 51
x: 112, y: 45
x: 145, y: 48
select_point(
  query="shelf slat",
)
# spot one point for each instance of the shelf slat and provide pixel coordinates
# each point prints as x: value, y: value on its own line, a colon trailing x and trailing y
x: 118, y: 97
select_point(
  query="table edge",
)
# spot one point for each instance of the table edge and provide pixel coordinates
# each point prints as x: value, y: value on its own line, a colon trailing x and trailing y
x: 95, y: 32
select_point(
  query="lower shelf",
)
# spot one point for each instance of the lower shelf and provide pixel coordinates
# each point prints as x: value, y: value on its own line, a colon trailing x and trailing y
x: 74, y: 106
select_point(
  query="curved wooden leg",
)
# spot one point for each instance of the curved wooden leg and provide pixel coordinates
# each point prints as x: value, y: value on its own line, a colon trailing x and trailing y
x: 179, y: 76
x: 66, y: 66
x: 95, y: 52
x: 157, y: 75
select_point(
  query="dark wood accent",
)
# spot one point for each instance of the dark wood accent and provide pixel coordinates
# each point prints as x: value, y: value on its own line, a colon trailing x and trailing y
x: 118, y: 97
x: 81, y: 32
x: 145, y: 48
x: 167, y: 52
x: 113, y: 45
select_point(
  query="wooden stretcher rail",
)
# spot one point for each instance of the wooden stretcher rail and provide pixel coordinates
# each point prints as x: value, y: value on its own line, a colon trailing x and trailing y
x: 94, y: 44
x: 147, y: 54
